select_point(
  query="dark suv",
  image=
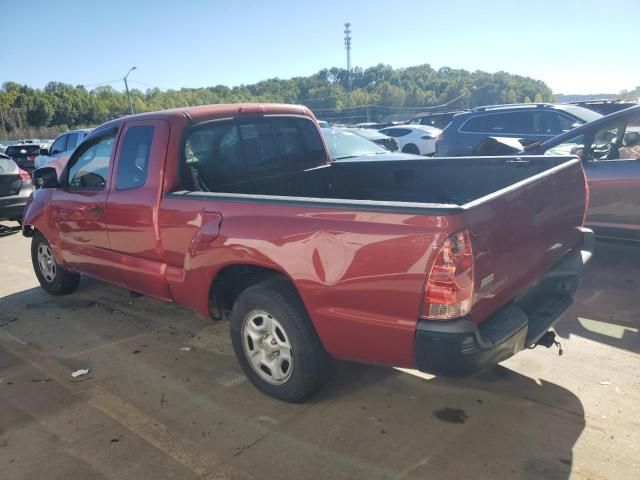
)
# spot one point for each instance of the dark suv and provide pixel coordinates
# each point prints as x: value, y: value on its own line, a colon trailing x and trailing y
x: 530, y: 122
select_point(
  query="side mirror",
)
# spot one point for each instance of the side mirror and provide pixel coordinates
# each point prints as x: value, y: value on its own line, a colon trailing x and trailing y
x: 44, y: 152
x: 45, y: 177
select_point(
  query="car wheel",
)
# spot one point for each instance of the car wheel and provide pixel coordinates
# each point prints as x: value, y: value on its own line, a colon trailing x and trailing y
x: 53, y: 278
x: 275, y: 342
x: 411, y: 148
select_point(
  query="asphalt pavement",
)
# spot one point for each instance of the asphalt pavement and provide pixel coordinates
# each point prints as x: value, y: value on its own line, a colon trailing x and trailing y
x: 164, y: 397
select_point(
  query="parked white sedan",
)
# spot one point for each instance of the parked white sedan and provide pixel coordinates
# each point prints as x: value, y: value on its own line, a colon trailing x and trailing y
x: 416, y: 139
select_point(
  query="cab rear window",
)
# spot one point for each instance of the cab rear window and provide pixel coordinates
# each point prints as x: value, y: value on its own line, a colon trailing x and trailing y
x: 228, y: 152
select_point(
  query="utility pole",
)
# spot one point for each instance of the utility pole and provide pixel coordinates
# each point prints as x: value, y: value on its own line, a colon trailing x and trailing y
x: 126, y: 86
x: 347, y: 46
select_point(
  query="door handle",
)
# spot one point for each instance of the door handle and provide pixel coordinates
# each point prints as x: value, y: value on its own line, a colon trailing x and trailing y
x: 518, y: 161
x: 96, y: 210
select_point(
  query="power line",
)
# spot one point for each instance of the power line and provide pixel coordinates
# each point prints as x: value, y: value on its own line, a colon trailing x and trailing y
x: 101, y: 83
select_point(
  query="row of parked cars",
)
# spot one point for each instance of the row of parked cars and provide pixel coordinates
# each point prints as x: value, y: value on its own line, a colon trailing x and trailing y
x: 608, y: 145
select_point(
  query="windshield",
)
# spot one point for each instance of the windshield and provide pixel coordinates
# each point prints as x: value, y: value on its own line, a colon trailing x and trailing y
x: 343, y: 144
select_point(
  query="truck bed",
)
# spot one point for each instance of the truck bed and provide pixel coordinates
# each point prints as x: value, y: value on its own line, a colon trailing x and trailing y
x: 439, y: 181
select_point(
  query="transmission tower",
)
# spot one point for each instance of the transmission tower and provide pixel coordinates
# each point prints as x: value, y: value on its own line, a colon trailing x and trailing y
x: 347, y: 46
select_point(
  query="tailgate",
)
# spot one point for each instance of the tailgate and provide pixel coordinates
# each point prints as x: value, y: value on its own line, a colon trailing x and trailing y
x: 521, y: 231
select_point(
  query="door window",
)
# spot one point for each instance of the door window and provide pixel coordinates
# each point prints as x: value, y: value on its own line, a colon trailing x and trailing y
x: 72, y: 141
x: 629, y: 148
x: 133, y: 163
x: 60, y: 145
x: 89, y: 167
x: 396, y: 132
x: 572, y: 146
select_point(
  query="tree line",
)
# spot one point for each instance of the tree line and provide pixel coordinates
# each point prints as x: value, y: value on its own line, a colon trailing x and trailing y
x: 331, y: 93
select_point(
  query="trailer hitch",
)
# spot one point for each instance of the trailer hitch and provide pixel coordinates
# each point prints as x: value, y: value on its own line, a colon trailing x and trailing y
x: 548, y: 340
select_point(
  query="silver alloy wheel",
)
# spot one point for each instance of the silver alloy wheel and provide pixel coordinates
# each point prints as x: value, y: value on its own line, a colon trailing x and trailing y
x: 267, y: 347
x: 46, y: 263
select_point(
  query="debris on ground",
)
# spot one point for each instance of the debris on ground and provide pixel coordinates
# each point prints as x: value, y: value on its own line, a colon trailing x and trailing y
x: 80, y: 373
x: 605, y: 382
x: 186, y: 349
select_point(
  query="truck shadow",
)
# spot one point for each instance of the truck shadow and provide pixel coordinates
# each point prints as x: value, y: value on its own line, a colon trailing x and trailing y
x: 369, y: 421
x: 605, y: 307
x: 500, y: 424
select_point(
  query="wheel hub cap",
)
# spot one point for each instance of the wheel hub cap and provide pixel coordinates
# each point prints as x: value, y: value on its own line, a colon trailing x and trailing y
x: 46, y: 263
x: 267, y: 347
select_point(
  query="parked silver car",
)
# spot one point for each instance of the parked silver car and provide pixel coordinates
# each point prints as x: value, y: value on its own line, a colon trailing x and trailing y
x: 61, y: 147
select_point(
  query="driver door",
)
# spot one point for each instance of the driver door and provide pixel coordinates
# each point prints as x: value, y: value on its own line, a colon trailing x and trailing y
x: 613, y: 171
x: 79, y: 208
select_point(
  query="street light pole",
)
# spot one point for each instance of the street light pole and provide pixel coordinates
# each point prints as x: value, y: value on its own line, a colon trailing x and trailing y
x: 126, y: 86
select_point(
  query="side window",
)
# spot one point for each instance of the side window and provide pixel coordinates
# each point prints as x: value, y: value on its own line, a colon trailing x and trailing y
x: 397, y: 132
x: 630, y: 145
x: 565, y: 123
x: 215, y: 152
x: 298, y: 143
x: 485, y: 124
x: 72, y: 141
x: 134, y: 157
x: 59, y: 146
x: 520, y: 123
x: 572, y: 146
x: 90, y: 166
x: 221, y: 154
x: 259, y: 147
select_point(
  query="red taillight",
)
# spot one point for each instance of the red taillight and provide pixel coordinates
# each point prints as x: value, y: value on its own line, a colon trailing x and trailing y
x: 449, y: 289
x: 31, y: 158
x: 24, y: 175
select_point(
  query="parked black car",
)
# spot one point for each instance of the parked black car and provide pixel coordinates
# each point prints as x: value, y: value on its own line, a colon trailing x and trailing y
x: 531, y: 122
x: 438, y: 120
x: 15, y: 188
x: 605, y: 107
x: 24, y: 154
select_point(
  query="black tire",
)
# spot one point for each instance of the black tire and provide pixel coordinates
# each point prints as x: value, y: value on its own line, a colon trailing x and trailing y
x: 411, y: 148
x: 311, y: 364
x: 62, y: 281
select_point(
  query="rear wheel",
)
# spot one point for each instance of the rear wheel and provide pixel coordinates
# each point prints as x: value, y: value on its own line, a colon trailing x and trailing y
x: 53, y: 278
x: 275, y: 342
x: 411, y: 148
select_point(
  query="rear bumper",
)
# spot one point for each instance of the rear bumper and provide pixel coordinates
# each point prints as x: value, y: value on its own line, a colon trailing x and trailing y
x: 11, y: 207
x: 459, y: 347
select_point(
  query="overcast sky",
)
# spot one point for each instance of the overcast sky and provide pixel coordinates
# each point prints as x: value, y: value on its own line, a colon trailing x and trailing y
x: 574, y: 46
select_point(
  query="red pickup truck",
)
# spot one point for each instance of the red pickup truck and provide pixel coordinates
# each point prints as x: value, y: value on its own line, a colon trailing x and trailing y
x: 445, y: 265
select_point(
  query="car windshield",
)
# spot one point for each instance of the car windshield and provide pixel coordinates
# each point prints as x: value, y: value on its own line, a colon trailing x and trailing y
x: 343, y: 144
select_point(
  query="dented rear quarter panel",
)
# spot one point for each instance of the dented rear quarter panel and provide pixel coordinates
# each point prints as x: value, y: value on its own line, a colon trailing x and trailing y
x: 360, y: 274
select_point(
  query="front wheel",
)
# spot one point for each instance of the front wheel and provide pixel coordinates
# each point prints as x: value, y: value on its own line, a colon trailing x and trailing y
x: 275, y: 342
x: 53, y: 278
